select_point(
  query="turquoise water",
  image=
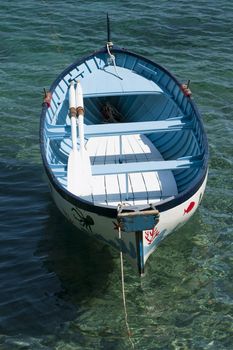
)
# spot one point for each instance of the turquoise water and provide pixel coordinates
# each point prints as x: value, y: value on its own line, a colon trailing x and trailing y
x: 59, y: 289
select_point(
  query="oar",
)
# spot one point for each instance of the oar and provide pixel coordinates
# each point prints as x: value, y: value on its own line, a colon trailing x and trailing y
x: 80, y: 114
x: 86, y: 164
x: 74, y: 161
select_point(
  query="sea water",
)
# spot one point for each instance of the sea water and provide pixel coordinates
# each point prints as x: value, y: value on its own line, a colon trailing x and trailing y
x: 60, y: 289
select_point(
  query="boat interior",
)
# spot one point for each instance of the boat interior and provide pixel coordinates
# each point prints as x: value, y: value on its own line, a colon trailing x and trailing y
x: 145, y: 146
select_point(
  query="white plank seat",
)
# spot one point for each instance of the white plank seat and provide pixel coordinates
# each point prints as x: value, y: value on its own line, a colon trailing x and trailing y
x: 137, y: 167
x: 120, y: 129
x: 124, y: 168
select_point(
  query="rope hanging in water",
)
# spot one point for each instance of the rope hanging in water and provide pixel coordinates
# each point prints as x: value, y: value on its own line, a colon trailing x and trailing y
x: 123, y: 291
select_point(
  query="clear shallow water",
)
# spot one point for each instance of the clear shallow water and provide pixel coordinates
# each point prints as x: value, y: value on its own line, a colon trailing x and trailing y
x: 60, y: 290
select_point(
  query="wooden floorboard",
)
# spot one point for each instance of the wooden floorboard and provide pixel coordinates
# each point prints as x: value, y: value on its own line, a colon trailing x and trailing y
x: 143, y: 188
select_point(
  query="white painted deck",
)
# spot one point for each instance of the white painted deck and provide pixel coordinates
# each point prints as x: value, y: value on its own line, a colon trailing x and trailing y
x: 143, y: 188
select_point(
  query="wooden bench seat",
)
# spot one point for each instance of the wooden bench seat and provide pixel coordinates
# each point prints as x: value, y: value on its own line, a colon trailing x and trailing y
x: 140, y: 167
x: 100, y: 130
x: 136, y: 167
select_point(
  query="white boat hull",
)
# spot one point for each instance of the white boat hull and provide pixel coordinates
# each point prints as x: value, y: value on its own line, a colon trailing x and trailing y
x: 105, y: 229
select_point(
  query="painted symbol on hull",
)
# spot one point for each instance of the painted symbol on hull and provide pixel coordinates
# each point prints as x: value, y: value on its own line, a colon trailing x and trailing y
x: 85, y: 221
x: 150, y: 235
x: 190, y: 207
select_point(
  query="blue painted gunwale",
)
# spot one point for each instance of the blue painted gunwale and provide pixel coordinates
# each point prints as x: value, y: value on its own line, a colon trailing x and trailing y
x: 108, y: 211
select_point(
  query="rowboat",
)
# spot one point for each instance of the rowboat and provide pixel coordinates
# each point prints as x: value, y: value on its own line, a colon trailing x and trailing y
x: 124, y: 150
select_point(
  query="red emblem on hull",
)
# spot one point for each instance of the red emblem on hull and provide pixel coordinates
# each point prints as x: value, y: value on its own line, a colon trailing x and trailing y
x: 150, y: 235
x: 190, y: 207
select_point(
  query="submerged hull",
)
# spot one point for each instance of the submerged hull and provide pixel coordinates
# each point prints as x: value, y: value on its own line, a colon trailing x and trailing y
x: 148, y: 156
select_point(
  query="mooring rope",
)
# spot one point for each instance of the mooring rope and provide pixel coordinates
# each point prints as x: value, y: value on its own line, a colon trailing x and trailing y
x: 123, y: 291
x: 112, y: 58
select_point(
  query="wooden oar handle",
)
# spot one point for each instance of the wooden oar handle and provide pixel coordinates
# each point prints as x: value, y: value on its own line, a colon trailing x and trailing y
x: 80, y: 110
x: 73, y: 112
